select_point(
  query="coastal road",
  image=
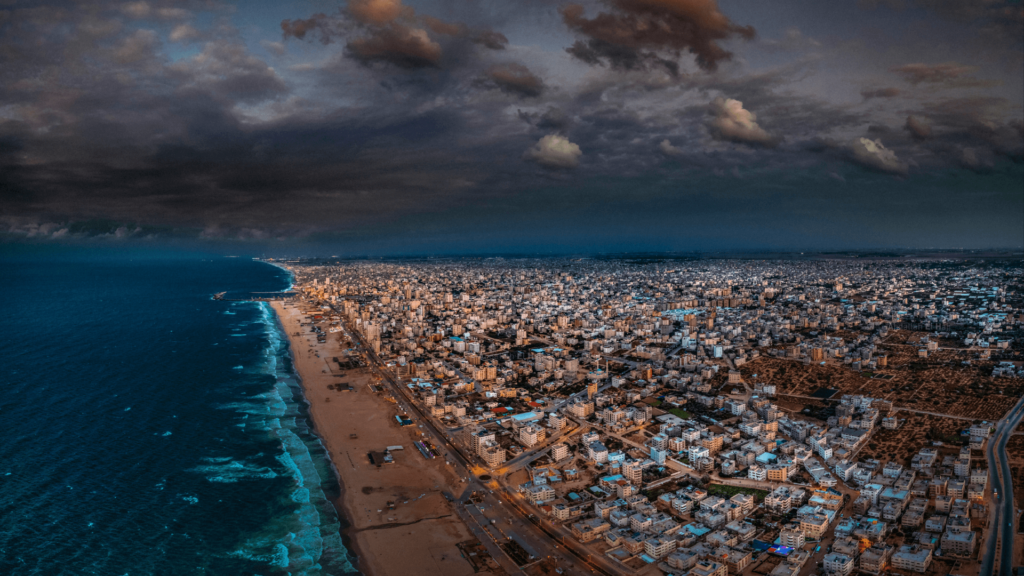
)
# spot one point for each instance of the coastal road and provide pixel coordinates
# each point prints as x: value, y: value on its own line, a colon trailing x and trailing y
x: 465, y: 468
x: 486, y: 538
x: 1003, y: 516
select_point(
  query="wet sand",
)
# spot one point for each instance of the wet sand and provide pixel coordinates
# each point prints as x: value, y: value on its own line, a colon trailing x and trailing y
x: 418, y: 536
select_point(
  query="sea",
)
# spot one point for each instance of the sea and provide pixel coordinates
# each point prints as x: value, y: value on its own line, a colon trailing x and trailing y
x: 149, y: 429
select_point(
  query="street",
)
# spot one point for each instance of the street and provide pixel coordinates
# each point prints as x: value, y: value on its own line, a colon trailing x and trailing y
x: 1003, y: 514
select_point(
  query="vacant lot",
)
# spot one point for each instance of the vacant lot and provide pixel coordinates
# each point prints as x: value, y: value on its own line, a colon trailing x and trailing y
x: 723, y: 491
x: 1015, y: 451
x: 918, y: 431
x: 680, y: 413
x: 942, y: 383
x: 792, y: 377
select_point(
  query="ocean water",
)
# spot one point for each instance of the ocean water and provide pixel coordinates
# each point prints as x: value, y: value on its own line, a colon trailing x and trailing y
x: 146, y: 428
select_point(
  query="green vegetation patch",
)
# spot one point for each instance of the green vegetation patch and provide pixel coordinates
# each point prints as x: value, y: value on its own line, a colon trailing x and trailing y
x: 729, y: 491
x: 679, y: 412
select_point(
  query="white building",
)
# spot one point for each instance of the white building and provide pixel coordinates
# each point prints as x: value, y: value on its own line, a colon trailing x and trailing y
x: 838, y: 564
x: 531, y: 435
x: 913, y: 558
x: 559, y: 452
x: 756, y: 472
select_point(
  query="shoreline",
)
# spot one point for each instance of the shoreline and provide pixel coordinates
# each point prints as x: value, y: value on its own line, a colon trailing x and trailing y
x: 354, y: 552
x: 344, y: 520
x: 379, y: 507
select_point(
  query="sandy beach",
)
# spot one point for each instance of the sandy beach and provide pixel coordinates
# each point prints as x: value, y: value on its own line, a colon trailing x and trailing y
x: 421, y: 534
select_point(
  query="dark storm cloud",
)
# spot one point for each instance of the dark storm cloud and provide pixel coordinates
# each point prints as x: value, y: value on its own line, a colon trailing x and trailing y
x: 490, y: 39
x: 227, y: 70
x: 636, y: 33
x: 132, y: 121
x: 389, y: 32
x: 996, y: 19
x: 880, y: 93
x: 398, y: 45
x: 130, y: 135
x: 514, y: 78
x: 376, y: 31
x: 931, y: 73
x: 310, y: 174
x: 950, y: 75
x: 973, y: 159
x: 486, y: 38
x: 553, y: 119
x: 918, y: 128
x: 320, y: 26
x: 978, y: 122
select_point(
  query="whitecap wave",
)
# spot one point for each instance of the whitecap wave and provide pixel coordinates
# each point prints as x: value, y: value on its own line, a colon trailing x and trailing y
x: 233, y: 471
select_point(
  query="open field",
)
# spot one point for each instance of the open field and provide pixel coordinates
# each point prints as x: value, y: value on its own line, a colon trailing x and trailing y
x: 918, y: 431
x: 940, y: 384
x: 723, y: 491
x: 680, y: 413
x: 1015, y: 453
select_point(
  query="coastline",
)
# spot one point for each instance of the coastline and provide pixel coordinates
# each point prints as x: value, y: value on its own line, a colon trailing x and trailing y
x: 344, y: 518
x: 352, y: 423
x: 350, y: 546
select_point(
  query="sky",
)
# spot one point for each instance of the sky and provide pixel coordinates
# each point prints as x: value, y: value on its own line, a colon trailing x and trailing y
x: 471, y: 126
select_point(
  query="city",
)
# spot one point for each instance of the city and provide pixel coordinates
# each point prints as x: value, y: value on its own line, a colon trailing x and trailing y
x: 700, y: 417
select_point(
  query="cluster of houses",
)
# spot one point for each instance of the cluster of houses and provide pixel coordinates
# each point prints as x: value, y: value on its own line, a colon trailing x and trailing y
x: 633, y: 373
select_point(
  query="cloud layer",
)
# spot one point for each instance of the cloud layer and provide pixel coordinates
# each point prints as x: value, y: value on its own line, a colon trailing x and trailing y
x: 385, y: 118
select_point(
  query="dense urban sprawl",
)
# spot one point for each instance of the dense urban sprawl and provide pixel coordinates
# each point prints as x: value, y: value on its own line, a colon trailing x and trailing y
x: 711, y: 417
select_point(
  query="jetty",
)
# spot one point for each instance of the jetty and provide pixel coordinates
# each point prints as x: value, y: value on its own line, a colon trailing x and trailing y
x: 258, y: 297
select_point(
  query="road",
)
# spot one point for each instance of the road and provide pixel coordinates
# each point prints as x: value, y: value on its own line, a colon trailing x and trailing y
x: 522, y: 529
x: 897, y: 409
x: 486, y: 537
x: 1003, y: 515
x: 528, y: 456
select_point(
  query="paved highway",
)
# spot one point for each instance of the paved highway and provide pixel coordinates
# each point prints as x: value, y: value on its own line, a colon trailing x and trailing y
x: 1004, y: 513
